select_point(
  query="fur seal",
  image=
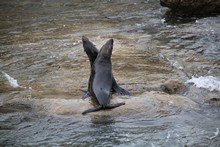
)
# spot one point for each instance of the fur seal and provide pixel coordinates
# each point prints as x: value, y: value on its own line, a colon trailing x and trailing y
x: 100, y: 81
x: 92, y: 53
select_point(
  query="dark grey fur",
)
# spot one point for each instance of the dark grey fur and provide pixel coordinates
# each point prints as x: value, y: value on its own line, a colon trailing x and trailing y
x: 100, y: 81
x: 92, y: 53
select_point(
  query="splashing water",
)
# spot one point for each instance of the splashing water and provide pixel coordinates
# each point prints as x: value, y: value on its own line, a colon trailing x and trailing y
x: 209, y: 82
x: 13, y: 82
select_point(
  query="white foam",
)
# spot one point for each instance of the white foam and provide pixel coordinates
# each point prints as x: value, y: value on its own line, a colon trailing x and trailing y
x: 215, y: 134
x: 168, y: 136
x: 11, y: 80
x: 209, y: 82
x: 163, y: 20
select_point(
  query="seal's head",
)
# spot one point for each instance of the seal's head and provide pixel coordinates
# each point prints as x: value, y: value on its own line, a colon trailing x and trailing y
x: 106, y: 50
x: 90, y: 49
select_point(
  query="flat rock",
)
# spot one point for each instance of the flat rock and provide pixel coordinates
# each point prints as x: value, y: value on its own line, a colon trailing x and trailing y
x: 149, y: 104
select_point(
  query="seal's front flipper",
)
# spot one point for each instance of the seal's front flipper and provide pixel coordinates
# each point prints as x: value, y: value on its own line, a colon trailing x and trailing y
x: 86, y: 95
x: 120, y: 90
x: 117, y: 89
x: 111, y: 106
x: 124, y: 92
x: 92, y: 110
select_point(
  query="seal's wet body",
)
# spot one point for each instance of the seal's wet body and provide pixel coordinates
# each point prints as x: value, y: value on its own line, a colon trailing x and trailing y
x: 92, y: 53
x: 100, y: 82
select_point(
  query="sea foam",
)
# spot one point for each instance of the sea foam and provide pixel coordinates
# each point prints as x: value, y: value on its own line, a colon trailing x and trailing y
x: 208, y: 82
x: 11, y: 80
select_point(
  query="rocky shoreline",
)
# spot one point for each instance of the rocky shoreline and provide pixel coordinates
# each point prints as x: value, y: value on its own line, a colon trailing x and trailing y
x: 192, y: 7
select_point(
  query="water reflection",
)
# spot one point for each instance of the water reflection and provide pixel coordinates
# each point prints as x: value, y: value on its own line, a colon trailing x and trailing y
x: 105, y: 132
x: 102, y: 120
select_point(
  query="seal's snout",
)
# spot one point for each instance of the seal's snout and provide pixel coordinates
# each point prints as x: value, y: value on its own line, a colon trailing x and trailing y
x: 84, y: 38
x: 110, y: 43
x: 106, y: 50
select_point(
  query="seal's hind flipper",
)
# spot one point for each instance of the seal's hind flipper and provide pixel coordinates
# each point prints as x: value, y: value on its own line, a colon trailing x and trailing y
x: 86, y: 95
x: 92, y: 110
x: 111, y: 106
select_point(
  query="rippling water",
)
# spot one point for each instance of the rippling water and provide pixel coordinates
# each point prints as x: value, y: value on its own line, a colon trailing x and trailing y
x: 40, y: 47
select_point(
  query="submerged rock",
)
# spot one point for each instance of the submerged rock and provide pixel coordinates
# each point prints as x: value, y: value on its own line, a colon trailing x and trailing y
x: 213, y: 101
x: 192, y: 7
x: 14, y: 107
x: 4, y: 86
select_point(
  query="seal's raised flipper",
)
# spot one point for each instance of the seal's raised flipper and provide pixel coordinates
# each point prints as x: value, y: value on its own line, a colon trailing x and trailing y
x: 86, y: 95
x: 109, y: 106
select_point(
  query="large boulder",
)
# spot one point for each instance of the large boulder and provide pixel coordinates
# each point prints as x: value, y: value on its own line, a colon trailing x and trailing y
x: 192, y: 7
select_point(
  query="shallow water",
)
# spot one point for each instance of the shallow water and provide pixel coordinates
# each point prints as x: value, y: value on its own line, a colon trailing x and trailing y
x: 41, y: 48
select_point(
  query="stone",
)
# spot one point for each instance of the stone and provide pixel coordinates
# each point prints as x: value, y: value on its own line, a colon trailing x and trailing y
x: 192, y: 7
x: 173, y: 86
